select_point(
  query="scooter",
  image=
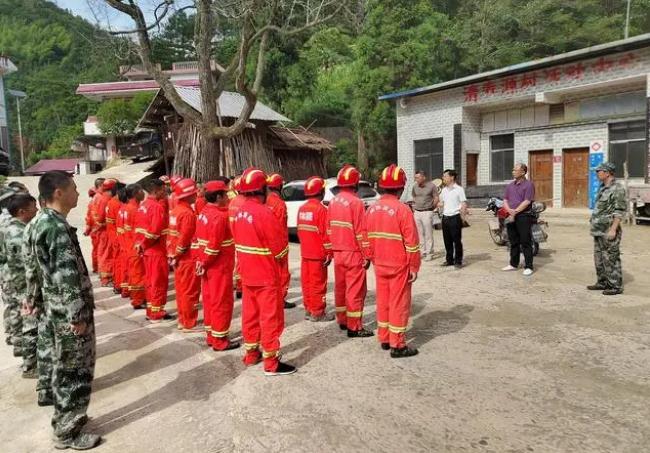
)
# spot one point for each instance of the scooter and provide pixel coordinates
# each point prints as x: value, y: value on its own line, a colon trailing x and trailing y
x: 499, y: 231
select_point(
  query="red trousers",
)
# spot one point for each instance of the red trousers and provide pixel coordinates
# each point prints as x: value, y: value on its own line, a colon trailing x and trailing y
x: 285, y: 277
x: 119, y: 270
x: 393, y: 304
x: 218, y: 302
x: 94, y: 237
x: 188, y: 290
x: 104, y: 255
x: 156, y: 284
x: 349, y: 288
x: 136, y: 277
x: 313, y: 276
x: 262, y: 324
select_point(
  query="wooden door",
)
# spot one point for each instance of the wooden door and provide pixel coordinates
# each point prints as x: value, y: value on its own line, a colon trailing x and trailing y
x: 540, y: 168
x: 472, y: 168
x: 575, y: 178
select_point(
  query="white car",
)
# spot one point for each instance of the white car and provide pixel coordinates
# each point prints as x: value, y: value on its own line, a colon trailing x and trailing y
x: 293, y: 193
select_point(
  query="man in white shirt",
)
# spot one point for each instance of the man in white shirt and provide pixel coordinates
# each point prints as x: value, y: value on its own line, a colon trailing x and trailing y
x: 453, y: 203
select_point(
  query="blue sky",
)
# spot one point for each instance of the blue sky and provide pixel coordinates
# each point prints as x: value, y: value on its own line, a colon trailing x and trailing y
x: 96, y: 10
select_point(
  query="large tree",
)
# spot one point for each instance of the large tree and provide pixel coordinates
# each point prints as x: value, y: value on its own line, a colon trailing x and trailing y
x: 255, y: 22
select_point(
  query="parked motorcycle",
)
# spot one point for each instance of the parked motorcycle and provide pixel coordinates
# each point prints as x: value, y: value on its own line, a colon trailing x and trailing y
x: 497, y: 226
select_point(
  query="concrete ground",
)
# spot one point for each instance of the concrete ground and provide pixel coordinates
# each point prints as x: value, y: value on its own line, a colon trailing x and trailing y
x: 506, y: 364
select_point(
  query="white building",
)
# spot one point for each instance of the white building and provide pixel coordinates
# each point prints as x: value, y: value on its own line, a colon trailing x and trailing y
x: 560, y: 115
x: 6, y: 67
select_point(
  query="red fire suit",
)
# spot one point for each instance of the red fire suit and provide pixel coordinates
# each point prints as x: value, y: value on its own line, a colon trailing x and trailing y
x: 151, y: 231
x: 135, y: 264
x: 395, y: 252
x: 233, y: 208
x: 112, y: 207
x: 103, y: 251
x: 348, y: 234
x: 90, y: 231
x: 121, y: 264
x: 215, y: 250
x: 315, y: 250
x: 199, y: 205
x: 182, y: 226
x: 261, y: 244
x: 279, y: 209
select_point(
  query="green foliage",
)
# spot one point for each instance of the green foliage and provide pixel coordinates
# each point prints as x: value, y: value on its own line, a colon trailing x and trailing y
x: 119, y: 116
x: 60, y: 146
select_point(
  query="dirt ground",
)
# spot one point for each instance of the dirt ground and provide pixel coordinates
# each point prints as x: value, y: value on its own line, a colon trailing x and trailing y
x: 506, y: 364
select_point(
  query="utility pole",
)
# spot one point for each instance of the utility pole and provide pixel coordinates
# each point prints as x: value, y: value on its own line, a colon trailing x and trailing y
x: 627, y: 19
x: 20, y: 137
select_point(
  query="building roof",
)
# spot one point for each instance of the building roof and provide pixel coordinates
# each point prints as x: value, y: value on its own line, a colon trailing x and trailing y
x: 99, y: 91
x: 295, y: 139
x: 45, y: 165
x: 230, y: 106
x: 622, y: 45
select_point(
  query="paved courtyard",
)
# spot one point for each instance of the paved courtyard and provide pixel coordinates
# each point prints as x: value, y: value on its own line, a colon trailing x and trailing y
x: 506, y: 364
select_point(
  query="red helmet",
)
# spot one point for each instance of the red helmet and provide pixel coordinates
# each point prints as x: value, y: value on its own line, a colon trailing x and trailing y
x: 91, y: 192
x: 348, y: 176
x: 252, y: 180
x: 175, y: 180
x: 185, y: 188
x: 393, y: 177
x: 215, y: 186
x: 109, y: 184
x: 274, y: 181
x: 236, y: 183
x: 314, y: 186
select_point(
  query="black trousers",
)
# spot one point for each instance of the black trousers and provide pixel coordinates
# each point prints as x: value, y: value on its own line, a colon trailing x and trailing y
x: 521, y: 240
x: 452, y: 233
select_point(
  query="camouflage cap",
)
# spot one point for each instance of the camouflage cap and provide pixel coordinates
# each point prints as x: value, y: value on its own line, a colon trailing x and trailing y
x: 7, y: 192
x: 606, y: 166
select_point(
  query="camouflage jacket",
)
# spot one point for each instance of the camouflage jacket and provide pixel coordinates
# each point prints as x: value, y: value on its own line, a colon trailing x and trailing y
x: 12, y: 250
x: 5, y: 217
x: 58, y: 266
x: 32, y: 275
x: 610, y: 204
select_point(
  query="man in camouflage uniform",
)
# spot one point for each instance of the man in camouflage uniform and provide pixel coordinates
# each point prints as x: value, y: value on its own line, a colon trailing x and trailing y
x: 610, y: 207
x: 22, y: 208
x: 68, y: 302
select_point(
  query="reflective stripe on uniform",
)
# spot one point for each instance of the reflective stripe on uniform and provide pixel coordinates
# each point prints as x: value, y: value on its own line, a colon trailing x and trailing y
x: 382, y: 235
x: 412, y: 248
x: 283, y: 253
x: 308, y: 228
x: 396, y: 329
x: 382, y: 325
x: 354, y: 314
x: 251, y: 346
x: 340, y: 223
x: 253, y: 250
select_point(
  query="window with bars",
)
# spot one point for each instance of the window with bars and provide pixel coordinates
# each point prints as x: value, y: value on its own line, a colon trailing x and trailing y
x: 502, y: 157
x: 627, y: 143
x: 429, y: 157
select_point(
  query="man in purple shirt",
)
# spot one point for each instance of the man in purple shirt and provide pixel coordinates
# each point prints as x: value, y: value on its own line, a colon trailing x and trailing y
x: 520, y: 194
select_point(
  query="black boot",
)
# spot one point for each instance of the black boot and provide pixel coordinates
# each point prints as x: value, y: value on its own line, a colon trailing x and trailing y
x: 385, y: 346
x: 238, y: 294
x: 612, y: 292
x: 288, y: 305
x: 231, y: 345
x: 82, y: 441
x: 45, y: 398
x: 362, y: 333
x: 596, y: 287
x: 282, y: 370
x: 403, y: 352
x: 343, y: 327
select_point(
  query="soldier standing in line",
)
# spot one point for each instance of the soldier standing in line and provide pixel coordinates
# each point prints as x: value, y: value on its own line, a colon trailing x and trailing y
x: 278, y: 207
x: 610, y: 207
x: 22, y: 208
x: 69, y: 304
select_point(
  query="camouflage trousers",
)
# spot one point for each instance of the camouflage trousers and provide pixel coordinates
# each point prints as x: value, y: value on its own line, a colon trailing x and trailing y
x: 607, y: 257
x: 72, y: 367
x: 13, y: 321
x: 29, y: 341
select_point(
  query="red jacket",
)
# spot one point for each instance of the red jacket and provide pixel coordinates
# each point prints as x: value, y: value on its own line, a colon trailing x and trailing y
x: 235, y: 204
x: 347, y: 224
x: 214, y: 242
x: 119, y: 227
x: 151, y: 227
x: 90, y: 215
x: 182, y: 226
x: 199, y: 205
x: 130, y: 213
x: 99, y: 210
x: 278, y: 207
x: 312, y: 231
x: 260, y: 242
x: 392, y: 234
x: 112, y: 207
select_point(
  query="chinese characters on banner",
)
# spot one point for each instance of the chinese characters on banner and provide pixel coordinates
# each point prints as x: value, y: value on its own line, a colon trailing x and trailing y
x: 570, y: 73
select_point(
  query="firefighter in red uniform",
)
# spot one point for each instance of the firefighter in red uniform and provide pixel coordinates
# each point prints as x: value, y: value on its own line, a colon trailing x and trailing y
x: 182, y: 226
x: 121, y: 264
x: 200, y: 202
x: 260, y: 245
x: 348, y: 234
x: 88, y: 231
x: 233, y: 209
x: 93, y: 232
x: 111, y: 262
x: 315, y: 251
x: 278, y: 207
x: 165, y: 200
x: 105, y: 251
x: 395, y: 252
x: 150, y: 241
x: 135, y: 265
x: 215, y: 262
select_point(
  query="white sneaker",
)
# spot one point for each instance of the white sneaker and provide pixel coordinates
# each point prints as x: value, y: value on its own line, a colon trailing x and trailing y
x: 509, y: 268
x: 528, y: 272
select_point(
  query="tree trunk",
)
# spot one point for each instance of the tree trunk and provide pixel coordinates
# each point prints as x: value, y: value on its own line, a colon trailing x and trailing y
x: 362, y: 153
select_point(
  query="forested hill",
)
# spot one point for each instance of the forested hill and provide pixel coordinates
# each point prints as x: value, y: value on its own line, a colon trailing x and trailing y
x: 54, y: 52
